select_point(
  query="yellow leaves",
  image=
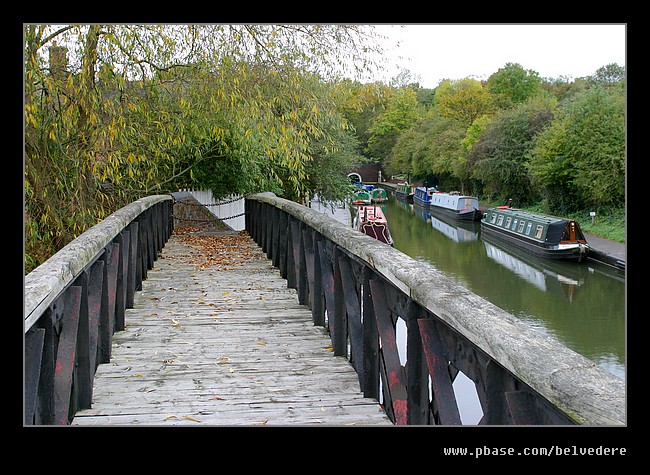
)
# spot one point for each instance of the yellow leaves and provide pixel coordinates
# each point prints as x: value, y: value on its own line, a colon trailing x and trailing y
x: 188, y: 418
x: 191, y: 419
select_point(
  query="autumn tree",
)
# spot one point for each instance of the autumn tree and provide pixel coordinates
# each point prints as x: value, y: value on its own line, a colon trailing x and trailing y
x: 464, y: 100
x: 138, y: 109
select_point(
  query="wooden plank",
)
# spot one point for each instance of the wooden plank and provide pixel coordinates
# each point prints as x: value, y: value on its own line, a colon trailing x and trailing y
x: 224, y: 346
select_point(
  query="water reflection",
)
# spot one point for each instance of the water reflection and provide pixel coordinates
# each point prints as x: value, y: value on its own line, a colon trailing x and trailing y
x: 581, y: 304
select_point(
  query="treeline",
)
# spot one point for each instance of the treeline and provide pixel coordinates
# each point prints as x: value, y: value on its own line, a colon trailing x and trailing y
x: 560, y: 142
x: 116, y: 112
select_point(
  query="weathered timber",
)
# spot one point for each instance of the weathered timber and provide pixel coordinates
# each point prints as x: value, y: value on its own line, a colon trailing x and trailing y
x: 228, y: 345
x: 521, y: 376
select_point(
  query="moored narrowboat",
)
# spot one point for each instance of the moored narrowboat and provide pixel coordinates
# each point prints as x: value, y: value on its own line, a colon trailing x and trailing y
x: 405, y: 192
x: 422, y: 195
x: 366, y: 194
x: 455, y: 205
x: 544, y: 235
x: 370, y: 220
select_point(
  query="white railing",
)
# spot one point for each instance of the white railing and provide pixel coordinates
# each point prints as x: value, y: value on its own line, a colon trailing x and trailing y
x: 229, y: 209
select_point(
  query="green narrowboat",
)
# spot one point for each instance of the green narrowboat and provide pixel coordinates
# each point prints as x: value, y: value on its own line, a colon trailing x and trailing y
x: 405, y: 192
x: 544, y: 235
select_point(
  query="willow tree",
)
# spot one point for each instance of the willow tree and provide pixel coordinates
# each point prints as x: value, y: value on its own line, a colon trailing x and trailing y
x: 121, y: 111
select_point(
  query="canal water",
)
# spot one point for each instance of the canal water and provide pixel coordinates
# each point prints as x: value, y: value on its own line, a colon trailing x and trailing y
x: 580, y: 304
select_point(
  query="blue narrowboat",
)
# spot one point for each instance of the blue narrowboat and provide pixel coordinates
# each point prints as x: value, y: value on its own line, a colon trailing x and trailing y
x: 422, y: 195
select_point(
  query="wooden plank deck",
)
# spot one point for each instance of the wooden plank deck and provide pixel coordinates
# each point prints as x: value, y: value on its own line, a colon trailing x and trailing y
x: 223, y: 344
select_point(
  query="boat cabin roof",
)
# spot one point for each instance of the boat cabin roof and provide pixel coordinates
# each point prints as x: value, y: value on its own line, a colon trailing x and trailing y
x: 523, y: 214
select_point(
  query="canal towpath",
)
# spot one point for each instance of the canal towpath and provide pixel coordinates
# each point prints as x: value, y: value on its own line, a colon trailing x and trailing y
x: 607, y: 251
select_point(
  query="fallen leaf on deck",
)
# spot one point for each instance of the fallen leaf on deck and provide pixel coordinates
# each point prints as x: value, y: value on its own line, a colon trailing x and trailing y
x: 190, y: 419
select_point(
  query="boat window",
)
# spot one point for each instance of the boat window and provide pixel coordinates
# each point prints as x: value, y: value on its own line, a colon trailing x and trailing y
x: 500, y: 220
x: 493, y: 218
x: 538, y: 231
x: 514, y: 224
x: 521, y: 226
x: 528, y: 228
x: 508, y: 221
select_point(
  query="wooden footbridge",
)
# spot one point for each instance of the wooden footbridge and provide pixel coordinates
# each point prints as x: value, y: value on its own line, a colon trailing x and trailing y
x: 294, y: 322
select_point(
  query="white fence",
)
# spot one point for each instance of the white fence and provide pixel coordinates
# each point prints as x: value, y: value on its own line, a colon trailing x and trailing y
x: 229, y: 209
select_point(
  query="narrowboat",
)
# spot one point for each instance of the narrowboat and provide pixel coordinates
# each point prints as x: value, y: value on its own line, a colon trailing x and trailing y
x: 546, y: 236
x: 405, y: 192
x: 378, y: 195
x: 366, y: 194
x: 422, y: 195
x: 455, y: 205
x: 360, y: 197
x: 370, y: 220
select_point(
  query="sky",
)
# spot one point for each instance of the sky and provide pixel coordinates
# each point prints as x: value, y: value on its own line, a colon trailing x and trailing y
x: 433, y: 52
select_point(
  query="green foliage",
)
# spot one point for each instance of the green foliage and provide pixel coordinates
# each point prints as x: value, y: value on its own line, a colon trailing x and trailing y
x: 514, y: 83
x: 580, y: 159
x: 558, y: 141
x: 498, y: 157
x: 432, y: 148
x: 401, y: 112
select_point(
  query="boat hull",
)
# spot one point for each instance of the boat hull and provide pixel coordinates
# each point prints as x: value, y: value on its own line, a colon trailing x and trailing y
x: 407, y: 197
x: 463, y: 215
x: 574, y: 252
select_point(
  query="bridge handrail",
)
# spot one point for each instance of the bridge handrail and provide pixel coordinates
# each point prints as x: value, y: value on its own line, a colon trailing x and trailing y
x: 76, y: 300
x: 578, y: 387
x: 45, y: 283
